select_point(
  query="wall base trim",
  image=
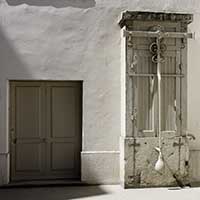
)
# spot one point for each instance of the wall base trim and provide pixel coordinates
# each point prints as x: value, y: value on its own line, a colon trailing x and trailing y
x: 100, y: 167
x: 100, y: 152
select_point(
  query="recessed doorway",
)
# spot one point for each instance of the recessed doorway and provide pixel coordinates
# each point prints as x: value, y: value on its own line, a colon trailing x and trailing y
x: 45, y: 129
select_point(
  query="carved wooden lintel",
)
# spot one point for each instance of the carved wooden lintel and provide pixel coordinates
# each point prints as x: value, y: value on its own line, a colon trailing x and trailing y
x: 128, y: 16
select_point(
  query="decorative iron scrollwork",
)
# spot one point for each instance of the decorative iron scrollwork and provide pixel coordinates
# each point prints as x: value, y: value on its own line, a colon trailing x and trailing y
x: 155, y: 58
x: 154, y: 47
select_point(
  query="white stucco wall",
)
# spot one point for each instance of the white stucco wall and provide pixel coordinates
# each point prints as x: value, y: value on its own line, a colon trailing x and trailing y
x: 80, y: 40
x: 194, y: 97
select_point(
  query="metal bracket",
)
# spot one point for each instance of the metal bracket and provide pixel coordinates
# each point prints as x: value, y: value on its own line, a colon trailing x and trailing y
x: 130, y: 180
x: 133, y: 179
x: 158, y: 34
x: 178, y: 144
x: 183, y: 43
x: 129, y: 41
x: 134, y: 61
x: 133, y: 117
x: 154, y: 75
x: 133, y: 143
x: 134, y: 114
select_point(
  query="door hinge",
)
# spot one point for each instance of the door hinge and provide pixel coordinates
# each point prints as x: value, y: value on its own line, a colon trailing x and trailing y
x: 134, y: 62
x: 183, y: 43
x: 134, y: 115
x: 129, y: 41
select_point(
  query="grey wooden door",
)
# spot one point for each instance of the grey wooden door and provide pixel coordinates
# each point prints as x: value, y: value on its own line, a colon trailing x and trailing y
x: 45, y: 130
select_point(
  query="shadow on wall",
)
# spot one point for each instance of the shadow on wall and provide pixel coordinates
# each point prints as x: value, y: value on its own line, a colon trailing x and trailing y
x: 12, y: 66
x: 55, y: 3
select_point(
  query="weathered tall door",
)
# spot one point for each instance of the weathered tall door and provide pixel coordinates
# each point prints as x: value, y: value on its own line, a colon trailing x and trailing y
x: 45, y: 130
x: 155, y: 101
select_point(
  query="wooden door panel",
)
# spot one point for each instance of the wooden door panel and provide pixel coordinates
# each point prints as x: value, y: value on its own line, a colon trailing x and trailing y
x: 63, y: 156
x: 63, y: 132
x: 63, y: 115
x: 28, y: 157
x: 28, y: 113
x: 27, y: 130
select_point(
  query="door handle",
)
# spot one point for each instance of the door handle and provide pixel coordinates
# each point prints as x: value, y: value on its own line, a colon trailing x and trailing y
x: 14, y: 140
x: 44, y: 140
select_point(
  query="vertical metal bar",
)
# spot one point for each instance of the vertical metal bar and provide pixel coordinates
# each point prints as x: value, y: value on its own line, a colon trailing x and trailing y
x: 135, y: 96
x: 178, y: 93
x: 159, y: 88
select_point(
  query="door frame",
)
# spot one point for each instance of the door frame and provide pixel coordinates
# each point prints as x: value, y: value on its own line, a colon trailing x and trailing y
x: 9, y: 120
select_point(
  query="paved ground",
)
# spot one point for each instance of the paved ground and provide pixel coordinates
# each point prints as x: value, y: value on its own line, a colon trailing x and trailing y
x: 106, y: 192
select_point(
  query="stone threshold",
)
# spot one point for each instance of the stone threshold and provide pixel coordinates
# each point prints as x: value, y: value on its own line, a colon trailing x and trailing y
x: 44, y: 183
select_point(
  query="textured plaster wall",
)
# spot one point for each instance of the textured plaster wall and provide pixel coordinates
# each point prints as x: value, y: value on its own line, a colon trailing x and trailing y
x: 193, y: 82
x: 194, y: 98
x: 80, y: 40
